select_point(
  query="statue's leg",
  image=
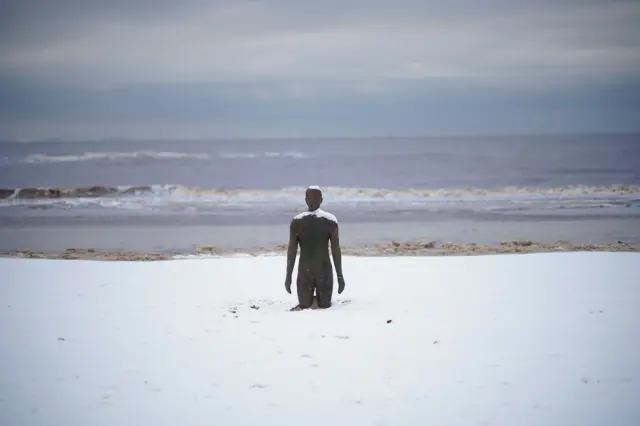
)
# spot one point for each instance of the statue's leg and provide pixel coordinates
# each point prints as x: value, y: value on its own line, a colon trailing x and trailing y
x: 305, y: 285
x: 324, y: 290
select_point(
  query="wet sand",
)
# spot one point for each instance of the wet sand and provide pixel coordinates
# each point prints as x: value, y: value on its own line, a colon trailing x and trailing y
x: 172, y: 238
x: 393, y: 248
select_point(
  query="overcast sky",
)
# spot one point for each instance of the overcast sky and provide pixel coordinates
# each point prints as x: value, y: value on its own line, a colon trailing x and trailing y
x: 293, y: 68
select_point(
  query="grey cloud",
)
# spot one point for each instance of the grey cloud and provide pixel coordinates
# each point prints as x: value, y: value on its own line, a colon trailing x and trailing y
x: 308, y: 67
x: 116, y: 42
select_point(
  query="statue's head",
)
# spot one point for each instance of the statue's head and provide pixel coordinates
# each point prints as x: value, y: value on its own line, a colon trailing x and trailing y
x: 313, y: 197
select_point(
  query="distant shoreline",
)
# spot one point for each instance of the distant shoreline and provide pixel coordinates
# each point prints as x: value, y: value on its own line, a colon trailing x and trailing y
x: 391, y: 249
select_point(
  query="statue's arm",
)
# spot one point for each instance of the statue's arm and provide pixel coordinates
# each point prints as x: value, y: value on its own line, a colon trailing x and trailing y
x: 292, y: 250
x: 336, y: 253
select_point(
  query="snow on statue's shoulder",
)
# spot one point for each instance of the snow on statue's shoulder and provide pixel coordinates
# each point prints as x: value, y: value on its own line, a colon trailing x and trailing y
x: 318, y: 213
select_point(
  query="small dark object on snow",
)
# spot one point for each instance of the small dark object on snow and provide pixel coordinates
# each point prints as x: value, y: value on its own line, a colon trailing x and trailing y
x: 435, y: 342
x: 256, y: 307
x: 61, y: 339
x: 389, y: 321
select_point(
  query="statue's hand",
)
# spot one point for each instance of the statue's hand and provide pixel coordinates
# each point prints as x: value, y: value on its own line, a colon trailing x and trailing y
x: 340, y: 284
x: 287, y: 284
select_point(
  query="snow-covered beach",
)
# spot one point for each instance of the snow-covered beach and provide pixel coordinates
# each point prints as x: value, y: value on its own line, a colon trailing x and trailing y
x: 530, y: 339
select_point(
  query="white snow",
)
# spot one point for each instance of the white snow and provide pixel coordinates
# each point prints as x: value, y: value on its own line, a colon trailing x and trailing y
x: 545, y: 339
x: 318, y: 213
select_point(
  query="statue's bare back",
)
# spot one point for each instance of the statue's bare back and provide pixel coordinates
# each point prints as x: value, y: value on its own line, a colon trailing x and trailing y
x: 314, y: 230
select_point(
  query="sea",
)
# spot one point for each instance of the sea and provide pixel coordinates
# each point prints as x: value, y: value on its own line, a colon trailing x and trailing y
x: 176, y: 196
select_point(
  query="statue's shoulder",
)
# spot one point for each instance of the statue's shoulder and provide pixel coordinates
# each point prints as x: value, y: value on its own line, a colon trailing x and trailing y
x: 300, y: 216
x: 317, y: 213
x: 327, y: 215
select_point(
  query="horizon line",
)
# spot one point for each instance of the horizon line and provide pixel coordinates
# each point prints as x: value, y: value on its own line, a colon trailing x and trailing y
x: 214, y: 139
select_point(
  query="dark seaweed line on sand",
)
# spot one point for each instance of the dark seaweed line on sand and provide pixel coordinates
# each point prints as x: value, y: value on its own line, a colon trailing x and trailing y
x: 390, y: 249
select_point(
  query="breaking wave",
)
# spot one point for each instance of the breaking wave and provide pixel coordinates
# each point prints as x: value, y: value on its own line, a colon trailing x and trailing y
x: 332, y: 193
x: 269, y: 154
x: 150, y: 155
x: 109, y: 156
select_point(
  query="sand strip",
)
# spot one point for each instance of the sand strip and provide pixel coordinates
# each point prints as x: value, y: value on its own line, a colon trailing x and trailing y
x: 394, y: 248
